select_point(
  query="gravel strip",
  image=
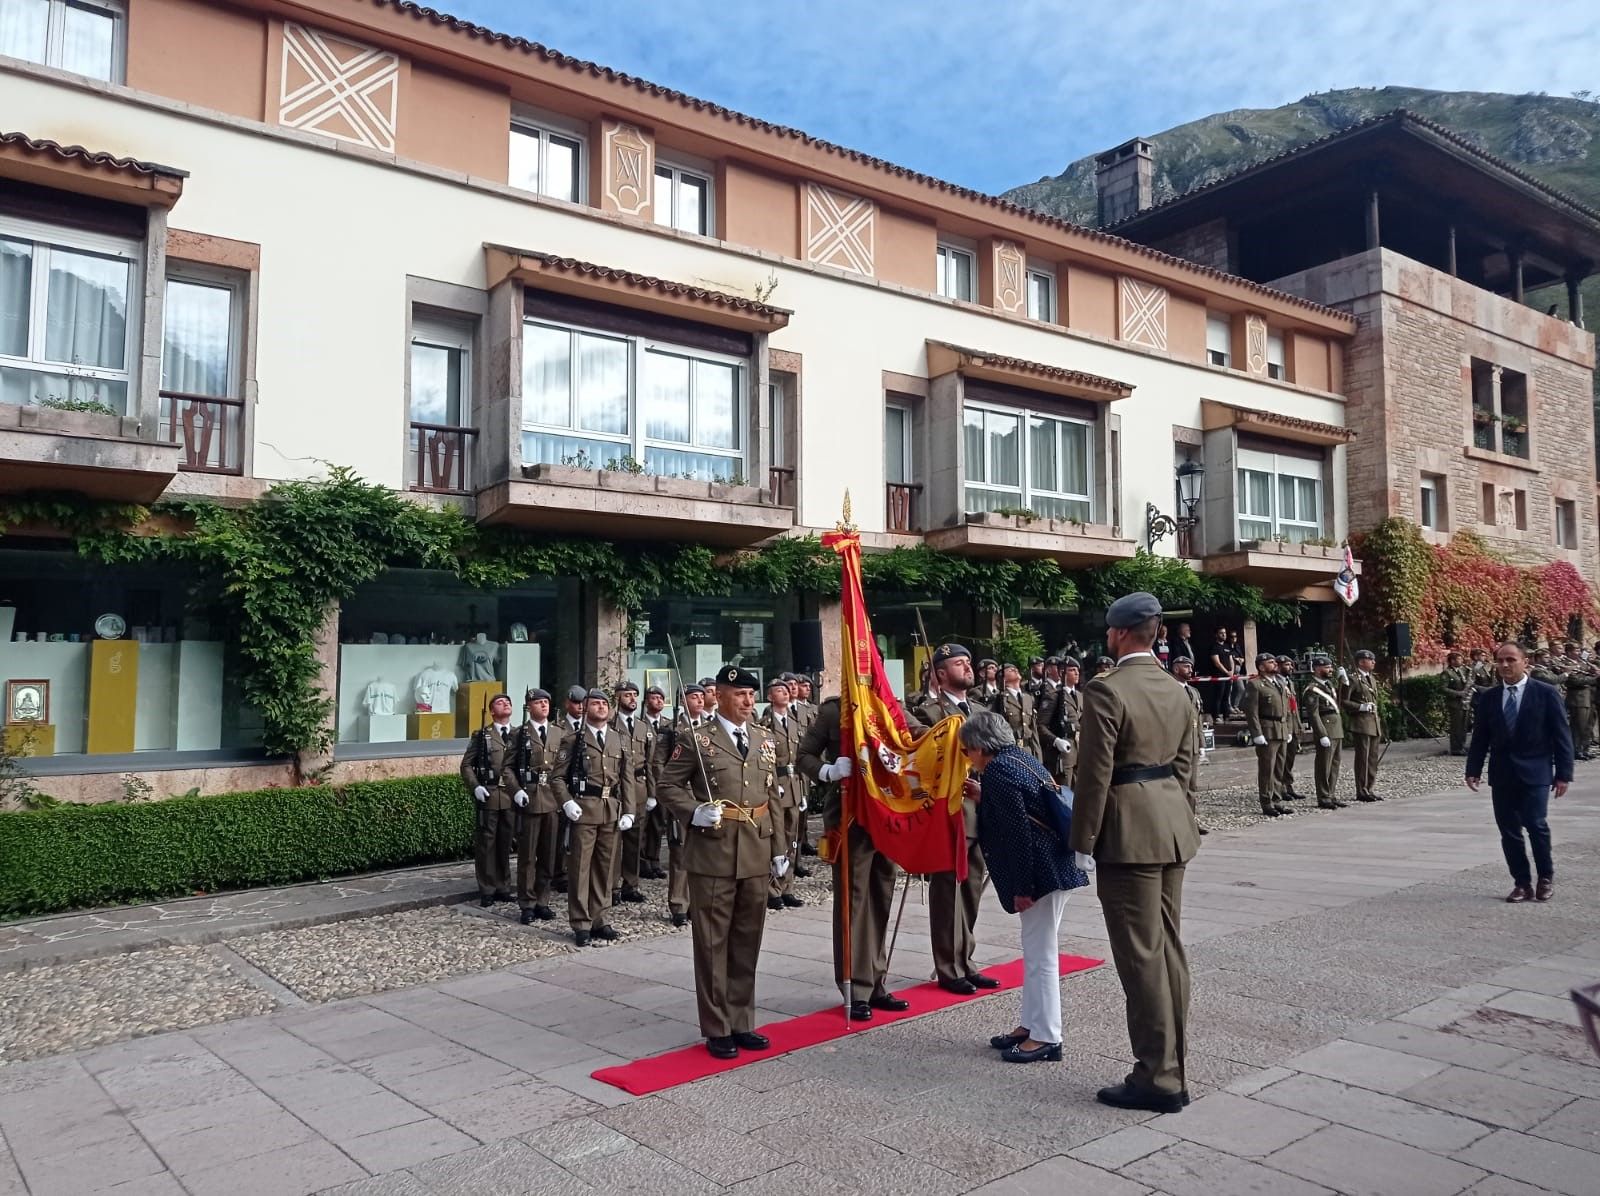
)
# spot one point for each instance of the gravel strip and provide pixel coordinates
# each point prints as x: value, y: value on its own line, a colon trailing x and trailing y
x: 94, y: 1001
x: 1233, y: 806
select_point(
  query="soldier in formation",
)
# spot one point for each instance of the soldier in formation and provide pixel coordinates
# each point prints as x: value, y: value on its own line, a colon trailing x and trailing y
x: 1359, y: 703
x: 601, y: 804
x: 540, y: 820
x: 1183, y: 673
x: 1291, y: 729
x: 1016, y: 706
x: 1266, y: 712
x: 488, y: 769
x: 784, y: 727
x: 1459, y: 690
x: 639, y: 740
x: 653, y: 826
x: 1320, y: 701
x: 1578, y: 679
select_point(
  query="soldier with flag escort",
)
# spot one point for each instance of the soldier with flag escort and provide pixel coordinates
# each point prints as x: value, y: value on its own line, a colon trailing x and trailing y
x: 1320, y: 701
x: 1291, y: 728
x: 1360, y: 705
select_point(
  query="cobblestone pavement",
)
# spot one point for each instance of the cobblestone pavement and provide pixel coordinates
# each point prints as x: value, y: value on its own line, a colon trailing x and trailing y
x: 1368, y: 1017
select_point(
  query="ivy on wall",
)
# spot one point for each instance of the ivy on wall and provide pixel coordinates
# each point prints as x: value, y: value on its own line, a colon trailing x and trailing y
x: 271, y: 570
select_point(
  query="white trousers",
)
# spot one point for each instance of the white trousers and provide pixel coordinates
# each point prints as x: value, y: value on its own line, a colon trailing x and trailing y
x: 1041, y: 966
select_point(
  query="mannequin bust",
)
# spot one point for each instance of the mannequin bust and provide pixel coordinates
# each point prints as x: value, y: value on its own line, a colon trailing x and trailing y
x: 518, y: 633
x: 433, y: 689
x: 379, y: 698
x: 478, y: 657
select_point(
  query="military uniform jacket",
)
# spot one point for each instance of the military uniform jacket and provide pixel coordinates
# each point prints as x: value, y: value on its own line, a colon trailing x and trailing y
x: 709, y: 768
x: 805, y: 713
x: 1266, y: 706
x: 547, y: 792
x: 932, y: 710
x: 611, y: 790
x: 1019, y: 711
x: 1135, y: 715
x: 1483, y: 675
x: 641, y: 747
x: 495, y: 757
x: 1361, y: 688
x: 819, y: 745
x: 1580, y: 682
x: 786, y: 740
x: 1321, y: 705
x: 1458, y: 686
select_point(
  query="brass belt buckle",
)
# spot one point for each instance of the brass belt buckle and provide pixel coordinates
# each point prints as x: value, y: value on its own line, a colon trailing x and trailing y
x: 605, y: 791
x: 544, y: 778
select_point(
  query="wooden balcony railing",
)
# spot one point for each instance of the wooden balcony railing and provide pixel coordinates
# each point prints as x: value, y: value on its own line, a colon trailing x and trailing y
x: 209, y: 429
x: 780, y: 481
x: 441, y: 457
x: 901, y: 507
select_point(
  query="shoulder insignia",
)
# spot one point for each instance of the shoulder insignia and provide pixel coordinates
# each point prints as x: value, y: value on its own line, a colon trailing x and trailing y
x: 677, y: 752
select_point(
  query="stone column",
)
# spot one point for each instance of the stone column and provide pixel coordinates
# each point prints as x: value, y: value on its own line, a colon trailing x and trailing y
x: 1373, y: 240
x: 1248, y: 638
x: 605, y: 639
x: 1575, y: 298
x: 309, y: 764
x: 831, y: 613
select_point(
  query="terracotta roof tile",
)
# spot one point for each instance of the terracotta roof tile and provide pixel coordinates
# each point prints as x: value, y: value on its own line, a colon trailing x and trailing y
x: 570, y: 265
x: 1293, y: 423
x: 1059, y: 373
x: 77, y: 153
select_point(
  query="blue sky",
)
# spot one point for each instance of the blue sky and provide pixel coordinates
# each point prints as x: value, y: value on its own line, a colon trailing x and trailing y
x: 993, y: 95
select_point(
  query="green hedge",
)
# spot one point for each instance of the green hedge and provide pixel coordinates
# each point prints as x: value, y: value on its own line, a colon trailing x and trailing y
x: 1423, y: 697
x: 72, y: 856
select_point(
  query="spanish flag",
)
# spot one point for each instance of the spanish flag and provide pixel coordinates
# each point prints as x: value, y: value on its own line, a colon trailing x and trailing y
x: 905, y: 789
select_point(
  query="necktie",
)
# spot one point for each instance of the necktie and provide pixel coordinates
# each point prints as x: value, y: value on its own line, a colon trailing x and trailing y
x: 600, y: 738
x: 505, y: 735
x: 744, y: 747
x: 629, y: 721
x: 1511, y: 707
x: 542, y: 739
x: 965, y: 708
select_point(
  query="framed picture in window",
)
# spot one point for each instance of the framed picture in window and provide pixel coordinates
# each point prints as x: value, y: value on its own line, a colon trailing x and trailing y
x: 27, y: 702
x: 660, y: 678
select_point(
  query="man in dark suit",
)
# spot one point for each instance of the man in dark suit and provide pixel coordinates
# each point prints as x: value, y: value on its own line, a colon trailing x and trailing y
x: 1521, y: 724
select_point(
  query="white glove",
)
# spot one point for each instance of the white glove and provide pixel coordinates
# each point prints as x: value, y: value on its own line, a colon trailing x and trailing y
x: 1063, y: 746
x: 481, y: 793
x: 1343, y: 676
x: 1324, y: 742
x: 1369, y: 708
x: 837, y: 771
x: 780, y: 865
x: 520, y: 797
x: 1260, y: 741
x: 707, y: 815
x: 802, y: 803
x: 572, y: 809
x: 625, y: 823
x: 649, y: 804
x: 1084, y: 863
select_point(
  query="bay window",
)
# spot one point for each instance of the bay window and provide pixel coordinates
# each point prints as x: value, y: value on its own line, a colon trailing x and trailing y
x: 601, y: 400
x: 1023, y: 460
x: 82, y: 36
x: 1279, y: 497
x: 67, y: 304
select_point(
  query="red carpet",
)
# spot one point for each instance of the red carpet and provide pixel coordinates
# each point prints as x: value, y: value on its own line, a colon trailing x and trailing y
x: 687, y: 1064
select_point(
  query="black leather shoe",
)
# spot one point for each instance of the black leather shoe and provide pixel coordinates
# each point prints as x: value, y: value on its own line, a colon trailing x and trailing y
x: 961, y: 986
x: 722, y: 1048
x: 606, y: 933
x: 1271, y: 812
x: 1126, y: 1096
x: 544, y: 913
x: 774, y: 903
x: 802, y: 871
x: 1050, y: 1052
x: 749, y: 1040
x: 808, y: 849
x: 581, y: 937
x: 1340, y: 805
x: 790, y: 900
x: 485, y: 902
x: 979, y: 980
x: 528, y: 917
x: 503, y: 897
x: 860, y: 1011
x: 629, y: 893
x: 1004, y: 1042
x: 889, y: 1003
x: 680, y: 920
x: 1368, y: 797
x: 1203, y: 830
x: 1374, y: 797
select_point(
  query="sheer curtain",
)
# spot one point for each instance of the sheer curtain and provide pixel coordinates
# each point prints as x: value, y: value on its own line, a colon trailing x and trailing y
x: 88, y: 43
x: 86, y: 322
x: 24, y: 25
x: 16, y: 284
x: 195, y: 354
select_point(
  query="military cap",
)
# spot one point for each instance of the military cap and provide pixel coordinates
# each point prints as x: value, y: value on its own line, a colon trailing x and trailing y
x: 497, y: 697
x: 707, y: 682
x: 1132, y: 609
x: 598, y: 694
x: 1282, y: 659
x: 1053, y: 660
x: 577, y: 693
x: 781, y: 679
x: 732, y: 675
x: 1070, y: 662
x: 694, y: 687
x: 628, y: 687
x: 946, y: 652
x: 1104, y: 660
x: 1365, y: 654
x: 1320, y: 661
x: 535, y: 694
x: 1265, y: 656
x: 988, y: 660
x: 786, y: 677
x: 656, y: 691
x: 1033, y: 660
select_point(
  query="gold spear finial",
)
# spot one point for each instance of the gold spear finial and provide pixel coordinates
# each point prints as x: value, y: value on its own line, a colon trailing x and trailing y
x: 845, y: 522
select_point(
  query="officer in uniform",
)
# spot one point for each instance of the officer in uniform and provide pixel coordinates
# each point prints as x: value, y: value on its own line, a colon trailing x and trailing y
x: 639, y: 740
x: 988, y: 687
x: 805, y: 713
x: 1544, y: 669
x: 653, y: 825
x: 1182, y: 669
x: 1579, y: 682
x: 1320, y: 701
x: 691, y: 713
x: 953, y: 907
x: 1265, y: 711
x: 1016, y: 706
x: 601, y: 803
x: 1483, y: 675
x: 1066, y: 712
x: 489, y: 774
x: 785, y: 729
x: 540, y: 828
x: 1458, y: 694
x: 1291, y: 728
x: 721, y: 780
x: 577, y: 697
x: 1131, y: 813
x: 1360, y: 704
x: 871, y: 875
x: 1035, y: 681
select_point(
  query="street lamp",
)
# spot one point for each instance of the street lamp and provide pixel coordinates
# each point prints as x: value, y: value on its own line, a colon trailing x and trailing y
x: 1191, y: 484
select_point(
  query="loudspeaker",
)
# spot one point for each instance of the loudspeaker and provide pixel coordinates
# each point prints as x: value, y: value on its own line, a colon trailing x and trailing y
x: 1399, y: 640
x: 805, y: 641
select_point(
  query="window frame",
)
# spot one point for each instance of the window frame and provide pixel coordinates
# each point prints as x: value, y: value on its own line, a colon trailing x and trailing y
x: 55, y: 37
x: 1566, y: 520
x: 1428, y: 496
x: 530, y: 123
x: 1048, y: 277
x: 1272, y: 466
x: 1215, y: 320
x: 1026, y: 490
x: 1277, y: 370
x: 678, y: 168
x: 946, y: 250
x: 443, y: 332
x: 907, y: 455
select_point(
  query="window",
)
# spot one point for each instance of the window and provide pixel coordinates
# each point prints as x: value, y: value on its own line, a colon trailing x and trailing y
x: 68, y: 305
x: 897, y: 445
x: 1486, y: 503
x: 1566, y: 523
x: 1276, y: 362
x: 441, y: 405
x: 1023, y: 460
x: 1279, y: 496
x: 1431, y: 502
x: 683, y: 199
x: 82, y: 36
x: 956, y: 270
x: 1499, y: 409
x: 1219, y: 340
x: 201, y: 339
x: 1041, y: 296
x: 601, y: 400
x: 1519, y: 507
x: 546, y: 161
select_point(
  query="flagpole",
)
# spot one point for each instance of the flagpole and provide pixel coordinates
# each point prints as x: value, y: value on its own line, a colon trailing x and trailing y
x: 846, y: 809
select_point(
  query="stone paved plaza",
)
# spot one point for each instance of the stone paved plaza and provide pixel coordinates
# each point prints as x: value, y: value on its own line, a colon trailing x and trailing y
x: 1368, y: 1017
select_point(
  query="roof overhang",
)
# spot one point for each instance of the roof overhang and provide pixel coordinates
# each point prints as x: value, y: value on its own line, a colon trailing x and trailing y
x: 1214, y: 415
x: 945, y: 358
x: 88, y: 172
x: 1302, y: 571
x: 624, y: 288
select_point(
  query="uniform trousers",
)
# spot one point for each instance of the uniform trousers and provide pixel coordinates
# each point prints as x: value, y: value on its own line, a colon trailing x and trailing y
x: 653, y: 829
x: 591, y: 852
x: 1578, y: 719
x: 627, y: 870
x: 1269, y: 759
x: 1458, y: 728
x: 1327, y: 769
x: 727, y: 918
x: 1519, y: 808
x: 1142, y: 904
x: 952, y: 914
x: 677, y: 878
x: 1291, y: 749
x: 536, y: 857
x: 1366, y: 773
x: 871, y: 895
x: 491, y: 850
x: 1040, y: 928
x: 787, y: 820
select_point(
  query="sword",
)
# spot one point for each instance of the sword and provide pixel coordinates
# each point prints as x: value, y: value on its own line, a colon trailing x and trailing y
x: 893, y: 938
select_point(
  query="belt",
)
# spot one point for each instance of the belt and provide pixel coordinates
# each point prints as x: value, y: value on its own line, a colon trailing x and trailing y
x: 1130, y: 776
x: 743, y: 813
x: 786, y: 770
x: 1271, y: 718
x: 596, y: 791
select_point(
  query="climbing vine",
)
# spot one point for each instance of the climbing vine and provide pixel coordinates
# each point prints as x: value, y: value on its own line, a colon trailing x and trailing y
x: 1396, y: 565
x: 1179, y: 587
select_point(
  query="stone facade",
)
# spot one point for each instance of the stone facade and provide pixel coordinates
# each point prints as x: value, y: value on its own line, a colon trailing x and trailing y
x: 1204, y: 244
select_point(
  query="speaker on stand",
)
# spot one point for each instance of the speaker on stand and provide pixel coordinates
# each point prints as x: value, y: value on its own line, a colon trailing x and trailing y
x: 805, y: 639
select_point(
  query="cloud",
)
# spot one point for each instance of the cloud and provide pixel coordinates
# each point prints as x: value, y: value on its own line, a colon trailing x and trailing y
x: 992, y: 95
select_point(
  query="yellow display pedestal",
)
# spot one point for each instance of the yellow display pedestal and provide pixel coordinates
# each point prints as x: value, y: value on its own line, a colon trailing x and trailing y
x: 113, y: 692
x: 30, y: 739
x: 472, y: 705
x: 430, y: 726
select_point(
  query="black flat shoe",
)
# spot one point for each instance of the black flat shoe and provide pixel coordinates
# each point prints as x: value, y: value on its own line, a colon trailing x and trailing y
x: 1126, y: 1096
x: 889, y: 1003
x: 807, y: 849
x: 722, y: 1048
x: 581, y: 937
x: 749, y: 1040
x: 790, y: 900
x: 1050, y: 1052
x: 1367, y: 797
x: 860, y: 1011
x: 961, y: 986
x: 774, y: 903
x: 979, y: 980
x: 629, y: 893
x: 485, y: 902
x: 680, y: 920
x: 544, y: 913
x: 504, y: 897
x: 802, y: 871
x: 606, y: 933
x: 1004, y: 1042
x: 528, y: 917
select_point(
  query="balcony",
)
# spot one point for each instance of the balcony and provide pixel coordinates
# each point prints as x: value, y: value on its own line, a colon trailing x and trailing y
x: 99, y: 456
x: 625, y: 505
x: 1075, y: 545
x: 1281, y: 570
x: 208, y: 430
x: 441, y: 457
x: 901, y: 502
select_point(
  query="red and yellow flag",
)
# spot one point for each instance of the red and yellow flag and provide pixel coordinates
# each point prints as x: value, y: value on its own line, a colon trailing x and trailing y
x: 905, y: 789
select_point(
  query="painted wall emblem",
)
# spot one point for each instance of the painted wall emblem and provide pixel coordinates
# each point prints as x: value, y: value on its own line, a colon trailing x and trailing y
x: 339, y: 88
x: 1143, y: 308
x: 841, y: 230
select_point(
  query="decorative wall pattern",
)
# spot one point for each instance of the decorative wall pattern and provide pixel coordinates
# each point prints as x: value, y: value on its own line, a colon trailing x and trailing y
x: 629, y: 165
x: 1255, y: 345
x: 840, y: 229
x: 1143, y: 308
x: 339, y: 88
x: 1010, y: 294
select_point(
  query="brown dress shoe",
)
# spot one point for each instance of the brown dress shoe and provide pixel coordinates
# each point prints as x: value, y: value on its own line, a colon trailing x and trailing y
x: 1545, y: 889
x: 1519, y: 894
